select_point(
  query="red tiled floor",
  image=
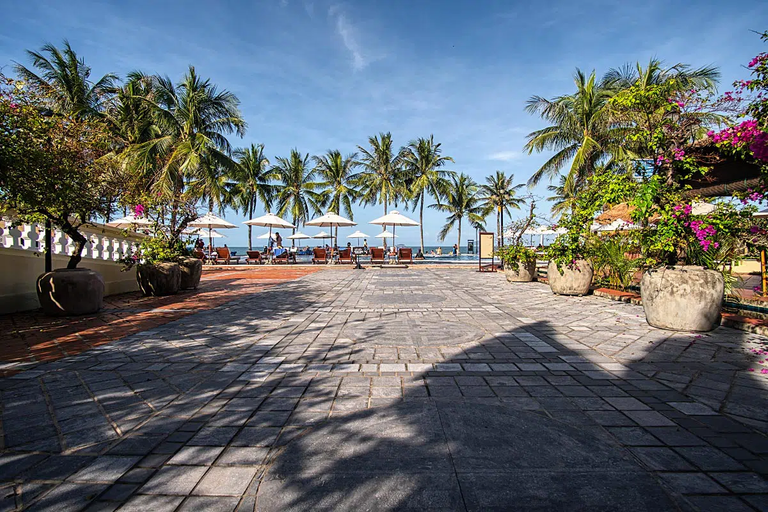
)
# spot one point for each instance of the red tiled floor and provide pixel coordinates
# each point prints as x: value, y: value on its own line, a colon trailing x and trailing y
x: 34, y: 337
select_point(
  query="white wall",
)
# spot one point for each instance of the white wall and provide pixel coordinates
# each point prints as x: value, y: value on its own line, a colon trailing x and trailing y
x: 22, y: 261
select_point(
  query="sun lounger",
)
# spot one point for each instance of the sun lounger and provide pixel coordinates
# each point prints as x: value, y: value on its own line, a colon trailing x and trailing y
x: 377, y: 255
x: 254, y: 257
x: 223, y: 256
x: 345, y: 256
x: 405, y: 255
x: 319, y: 256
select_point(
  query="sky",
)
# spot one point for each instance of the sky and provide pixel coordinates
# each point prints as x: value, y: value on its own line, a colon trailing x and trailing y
x: 318, y: 75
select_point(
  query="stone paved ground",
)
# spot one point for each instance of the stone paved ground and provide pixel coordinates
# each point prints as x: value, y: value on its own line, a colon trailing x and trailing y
x: 394, y: 389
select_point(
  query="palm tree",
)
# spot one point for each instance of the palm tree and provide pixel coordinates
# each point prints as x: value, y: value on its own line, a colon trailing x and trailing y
x: 252, y: 178
x: 461, y: 200
x: 338, y: 190
x: 499, y: 195
x: 193, y: 118
x: 562, y: 201
x: 422, y: 162
x: 66, y: 80
x: 129, y: 113
x: 580, y: 131
x: 296, y: 193
x: 381, y: 181
x: 212, y: 183
x: 655, y: 73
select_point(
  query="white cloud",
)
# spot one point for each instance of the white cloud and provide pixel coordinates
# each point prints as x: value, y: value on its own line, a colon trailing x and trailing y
x: 283, y: 3
x: 348, y: 34
x: 505, y: 156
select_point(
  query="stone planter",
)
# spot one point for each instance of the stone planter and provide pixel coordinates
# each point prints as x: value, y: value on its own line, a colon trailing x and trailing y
x: 525, y: 273
x: 573, y: 281
x: 684, y: 298
x: 191, y: 271
x: 159, y: 278
x: 77, y: 291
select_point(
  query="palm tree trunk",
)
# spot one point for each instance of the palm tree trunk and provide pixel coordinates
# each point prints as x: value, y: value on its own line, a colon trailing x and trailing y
x: 421, y: 221
x: 501, y: 226
x: 458, y: 245
x: 384, y: 227
x: 250, y: 216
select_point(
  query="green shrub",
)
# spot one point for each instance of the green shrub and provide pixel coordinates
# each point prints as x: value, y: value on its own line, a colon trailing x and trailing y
x: 512, y: 255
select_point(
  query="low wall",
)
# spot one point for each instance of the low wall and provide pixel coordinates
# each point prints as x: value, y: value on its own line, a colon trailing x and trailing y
x: 22, y: 260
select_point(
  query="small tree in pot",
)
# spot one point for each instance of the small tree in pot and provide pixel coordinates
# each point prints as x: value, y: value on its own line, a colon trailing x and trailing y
x: 58, y: 168
x: 519, y: 263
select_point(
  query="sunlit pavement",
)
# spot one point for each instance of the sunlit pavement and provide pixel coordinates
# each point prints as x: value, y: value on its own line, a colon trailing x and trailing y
x: 383, y: 389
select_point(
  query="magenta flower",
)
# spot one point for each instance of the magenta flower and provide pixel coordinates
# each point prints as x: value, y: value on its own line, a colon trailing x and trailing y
x: 138, y: 210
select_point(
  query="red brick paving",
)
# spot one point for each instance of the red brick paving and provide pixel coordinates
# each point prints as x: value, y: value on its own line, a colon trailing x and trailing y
x: 34, y: 337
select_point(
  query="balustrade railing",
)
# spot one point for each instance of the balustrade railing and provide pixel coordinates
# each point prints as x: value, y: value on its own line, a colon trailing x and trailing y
x: 104, y: 243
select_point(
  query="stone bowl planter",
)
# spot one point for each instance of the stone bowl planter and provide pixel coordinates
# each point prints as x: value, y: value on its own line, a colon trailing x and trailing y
x: 525, y: 273
x: 573, y: 281
x: 684, y: 298
x: 65, y: 291
x: 159, y: 278
x: 191, y: 271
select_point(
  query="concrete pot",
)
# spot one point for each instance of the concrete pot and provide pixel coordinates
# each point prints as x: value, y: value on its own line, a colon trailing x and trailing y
x: 191, y: 271
x: 573, y: 281
x: 159, y: 278
x: 684, y: 298
x: 64, y: 291
x: 525, y: 272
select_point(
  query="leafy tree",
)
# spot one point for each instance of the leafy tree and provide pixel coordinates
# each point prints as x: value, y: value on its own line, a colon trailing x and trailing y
x: 580, y: 131
x: 461, y: 200
x: 297, y: 191
x: 498, y: 195
x: 381, y: 181
x: 252, y: 177
x: 423, y: 162
x: 54, y: 167
x: 193, y: 118
x: 64, y: 80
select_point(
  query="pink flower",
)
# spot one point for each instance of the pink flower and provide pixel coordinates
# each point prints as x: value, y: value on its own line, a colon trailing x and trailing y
x: 138, y: 210
x: 764, y: 371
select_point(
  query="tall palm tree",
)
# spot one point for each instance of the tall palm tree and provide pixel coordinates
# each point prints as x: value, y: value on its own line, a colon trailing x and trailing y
x: 66, y: 80
x: 212, y: 184
x: 498, y: 195
x: 129, y: 112
x: 338, y: 190
x: 381, y: 180
x: 562, y: 201
x: 655, y: 73
x: 422, y: 162
x: 580, y: 132
x: 252, y: 177
x: 193, y: 118
x: 461, y: 200
x: 297, y: 191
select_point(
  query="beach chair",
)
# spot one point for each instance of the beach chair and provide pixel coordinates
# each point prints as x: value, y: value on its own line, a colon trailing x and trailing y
x: 405, y: 255
x: 345, y: 256
x: 280, y: 256
x: 199, y: 254
x: 319, y: 256
x: 253, y: 257
x: 224, y: 256
x: 377, y: 255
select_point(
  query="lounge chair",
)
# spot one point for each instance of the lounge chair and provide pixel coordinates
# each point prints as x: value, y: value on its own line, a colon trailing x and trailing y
x: 345, y: 256
x: 281, y: 258
x: 254, y: 257
x: 199, y: 254
x: 224, y: 256
x: 377, y: 255
x: 405, y: 255
x: 319, y: 256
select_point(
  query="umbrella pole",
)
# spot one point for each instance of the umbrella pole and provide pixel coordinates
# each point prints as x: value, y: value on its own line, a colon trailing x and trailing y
x: 271, y: 250
x: 763, y: 275
x: 210, y: 243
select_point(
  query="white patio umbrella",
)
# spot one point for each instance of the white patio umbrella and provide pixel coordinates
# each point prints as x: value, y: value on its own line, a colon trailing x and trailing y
x: 210, y: 221
x: 206, y: 233
x: 394, y: 219
x: 385, y: 234
x: 331, y: 220
x: 263, y: 236
x: 619, y: 225
x: 270, y: 220
x: 323, y: 235
x: 358, y: 234
x: 130, y: 221
x: 299, y: 236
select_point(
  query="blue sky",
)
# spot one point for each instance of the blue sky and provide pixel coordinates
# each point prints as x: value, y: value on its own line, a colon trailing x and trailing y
x: 318, y: 75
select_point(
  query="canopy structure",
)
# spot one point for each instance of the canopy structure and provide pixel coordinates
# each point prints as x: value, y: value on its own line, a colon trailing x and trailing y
x: 269, y: 220
x: 264, y: 236
x: 618, y: 225
x: 299, y: 236
x: 210, y: 221
x: 386, y: 234
x: 130, y: 221
x: 394, y: 219
x: 358, y: 234
x: 207, y: 233
x: 332, y: 220
x: 322, y: 235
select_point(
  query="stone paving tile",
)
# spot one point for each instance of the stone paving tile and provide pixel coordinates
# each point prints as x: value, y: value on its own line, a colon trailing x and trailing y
x: 197, y: 403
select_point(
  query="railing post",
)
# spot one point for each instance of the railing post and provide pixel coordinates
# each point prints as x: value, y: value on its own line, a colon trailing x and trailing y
x: 48, y: 246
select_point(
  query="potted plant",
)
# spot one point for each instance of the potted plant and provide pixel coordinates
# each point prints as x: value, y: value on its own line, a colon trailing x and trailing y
x: 569, y: 271
x: 519, y: 263
x: 56, y: 168
x: 158, y: 268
